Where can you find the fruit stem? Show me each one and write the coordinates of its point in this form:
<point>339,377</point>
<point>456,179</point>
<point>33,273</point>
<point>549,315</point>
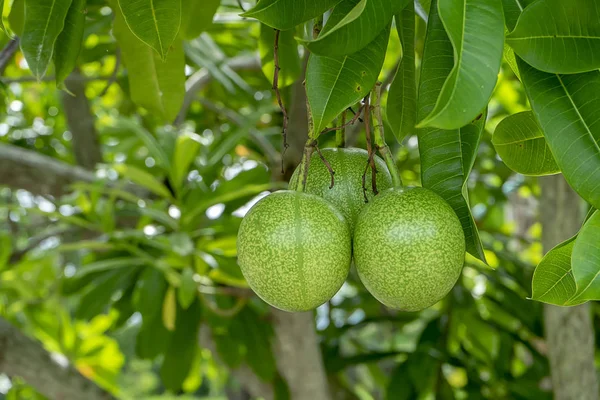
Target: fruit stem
<point>379,134</point>
<point>309,148</point>
<point>340,135</point>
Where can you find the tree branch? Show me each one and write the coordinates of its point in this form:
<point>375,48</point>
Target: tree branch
<point>7,53</point>
<point>37,173</point>
<point>26,358</point>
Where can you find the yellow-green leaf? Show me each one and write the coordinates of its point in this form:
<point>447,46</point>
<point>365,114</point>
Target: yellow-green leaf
<point>169,309</point>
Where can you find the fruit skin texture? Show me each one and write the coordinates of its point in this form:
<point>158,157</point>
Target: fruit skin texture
<point>409,248</point>
<point>347,192</point>
<point>294,250</point>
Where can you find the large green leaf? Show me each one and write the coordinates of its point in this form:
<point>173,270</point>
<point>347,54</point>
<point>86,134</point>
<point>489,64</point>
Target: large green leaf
<point>182,347</point>
<point>335,83</point>
<point>286,14</point>
<point>197,16</point>
<point>153,338</point>
<point>586,260</point>
<point>553,280</point>
<point>289,60</point>
<point>476,30</point>
<point>447,156</point>
<point>401,108</point>
<point>559,36</point>
<point>512,11</point>
<point>520,142</point>
<point>155,85</point>
<point>154,22</point>
<point>354,24</point>
<point>567,108</point>
<point>68,44</point>
<point>44,20</point>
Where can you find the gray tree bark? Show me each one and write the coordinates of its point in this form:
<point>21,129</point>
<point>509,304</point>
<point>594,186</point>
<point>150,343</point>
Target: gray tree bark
<point>569,330</point>
<point>81,123</point>
<point>26,358</point>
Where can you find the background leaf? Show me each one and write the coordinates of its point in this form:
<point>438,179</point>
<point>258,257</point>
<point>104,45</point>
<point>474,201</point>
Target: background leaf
<point>197,16</point>
<point>154,22</point>
<point>286,14</point>
<point>519,141</point>
<point>334,84</point>
<point>559,36</point>
<point>186,293</point>
<point>354,24</point>
<point>187,146</point>
<point>447,156</point>
<point>289,59</point>
<point>155,85</point>
<point>44,20</point>
<point>183,347</point>
<point>476,30</point>
<point>143,178</point>
<point>586,260</point>
<point>401,110</point>
<point>568,110</point>
<point>68,44</point>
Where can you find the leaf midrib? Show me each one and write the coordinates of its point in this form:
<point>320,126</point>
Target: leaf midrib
<point>41,48</point>
<point>553,37</point>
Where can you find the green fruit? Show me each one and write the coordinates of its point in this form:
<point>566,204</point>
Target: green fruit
<point>409,248</point>
<point>347,192</point>
<point>294,250</point>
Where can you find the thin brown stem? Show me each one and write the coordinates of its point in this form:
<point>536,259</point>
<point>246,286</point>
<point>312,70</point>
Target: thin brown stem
<point>378,132</point>
<point>278,95</point>
<point>340,135</point>
<point>345,124</point>
<point>327,164</point>
<point>371,151</point>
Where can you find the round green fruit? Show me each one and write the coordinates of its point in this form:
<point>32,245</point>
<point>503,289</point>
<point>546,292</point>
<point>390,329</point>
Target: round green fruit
<point>347,192</point>
<point>409,248</point>
<point>294,250</point>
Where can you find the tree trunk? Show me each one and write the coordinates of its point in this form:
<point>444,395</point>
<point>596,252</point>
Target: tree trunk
<point>26,358</point>
<point>81,123</point>
<point>569,330</point>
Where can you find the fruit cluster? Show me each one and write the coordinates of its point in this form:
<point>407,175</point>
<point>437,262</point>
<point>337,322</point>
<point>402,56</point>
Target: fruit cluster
<point>295,248</point>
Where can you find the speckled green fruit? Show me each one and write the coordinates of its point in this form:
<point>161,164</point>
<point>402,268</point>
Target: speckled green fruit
<point>294,250</point>
<point>347,192</point>
<point>409,248</point>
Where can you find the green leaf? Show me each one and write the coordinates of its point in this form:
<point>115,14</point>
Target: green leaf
<point>2,28</point>
<point>152,339</point>
<point>447,156</point>
<point>289,60</point>
<point>286,14</point>
<point>109,265</point>
<point>98,298</point>
<point>354,24</point>
<point>186,293</point>
<point>586,260</point>
<point>44,20</point>
<point>154,22</point>
<point>158,86</point>
<point>476,30</point>
<point>401,108</point>
<point>553,280</point>
<point>196,16</point>
<point>258,336</point>
<point>143,178</point>
<point>520,143</point>
<point>14,17</point>
<point>182,349</point>
<point>558,36</point>
<point>566,106</point>
<point>68,44</point>
<point>156,151</point>
<point>187,146</point>
<point>334,84</point>
<point>512,11</point>
<point>149,293</point>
